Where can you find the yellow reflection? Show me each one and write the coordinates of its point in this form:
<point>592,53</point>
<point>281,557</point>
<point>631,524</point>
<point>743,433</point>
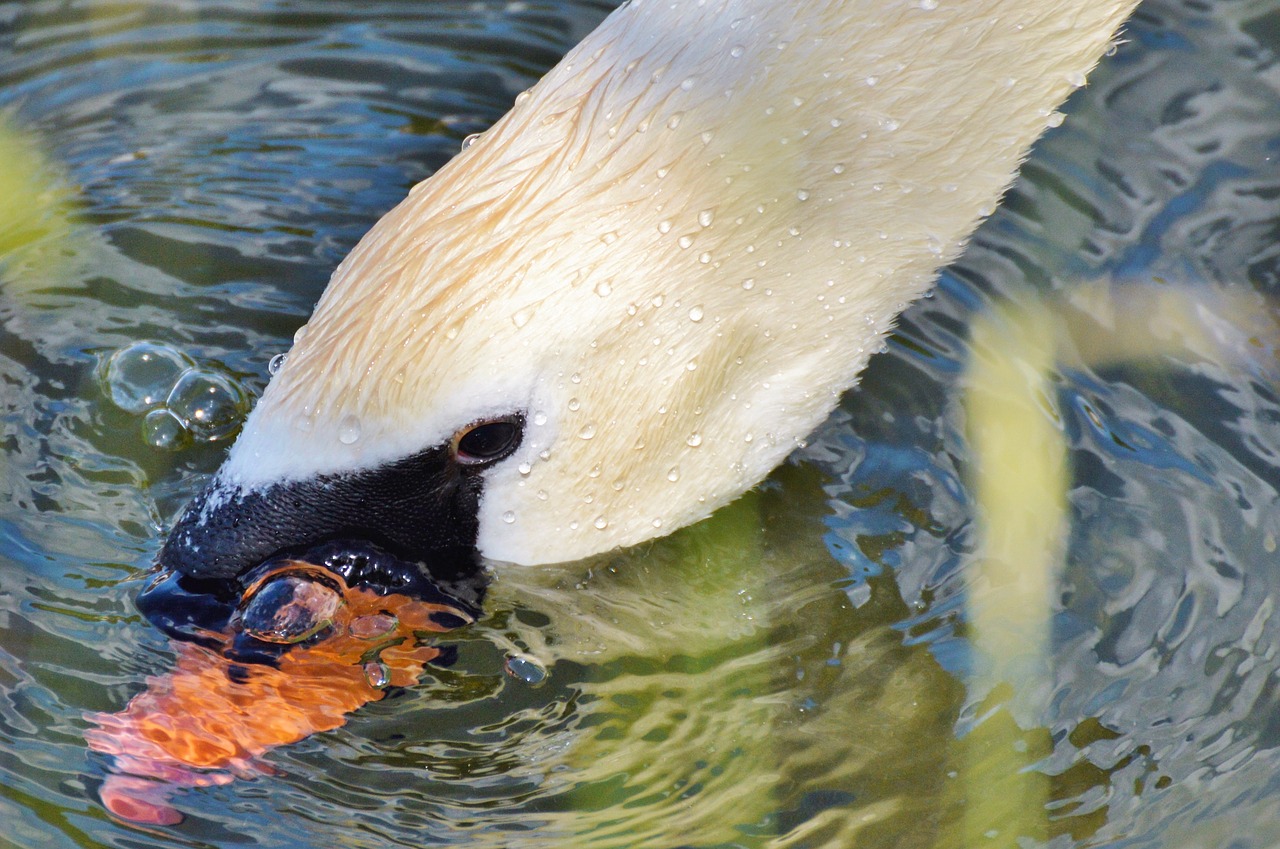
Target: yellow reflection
<point>1020,480</point>
<point>35,208</point>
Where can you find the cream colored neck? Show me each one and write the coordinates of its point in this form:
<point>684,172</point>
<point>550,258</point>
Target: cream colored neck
<point>674,253</point>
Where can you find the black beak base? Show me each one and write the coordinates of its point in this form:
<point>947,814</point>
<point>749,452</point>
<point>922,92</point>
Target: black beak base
<point>421,509</point>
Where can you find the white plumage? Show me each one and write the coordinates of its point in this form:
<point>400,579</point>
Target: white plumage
<point>672,255</point>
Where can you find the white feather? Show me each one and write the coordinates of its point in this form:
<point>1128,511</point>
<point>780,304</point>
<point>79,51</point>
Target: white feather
<point>674,253</point>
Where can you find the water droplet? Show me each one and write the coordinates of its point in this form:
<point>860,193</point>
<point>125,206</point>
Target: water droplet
<point>673,474</point>
<point>575,378</point>
<point>928,5</point>
<point>587,431</point>
<point>802,194</point>
<point>694,440</point>
<point>525,669</point>
<point>574,404</point>
<point>509,517</point>
<point>657,523</point>
<point>277,363</point>
<point>684,241</point>
<point>141,375</point>
<point>609,238</point>
<point>664,227</point>
<point>695,313</point>
<point>600,523</point>
<point>208,404</point>
<point>539,418</point>
<point>349,430</point>
<point>1055,119</point>
<point>692,365</point>
<point>688,83</point>
<point>1076,79</point>
<point>705,217</point>
<point>674,120</point>
<point>524,469</point>
<point>542,495</point>
<point>704,257</point>
<point>470,140</point>
<point>521,317</point>
<point>749,283</point>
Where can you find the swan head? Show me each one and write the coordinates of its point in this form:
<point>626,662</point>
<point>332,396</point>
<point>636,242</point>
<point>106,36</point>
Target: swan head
<point>631,298</point>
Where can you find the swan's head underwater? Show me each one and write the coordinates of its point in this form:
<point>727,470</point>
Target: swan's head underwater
<point>626,302</point>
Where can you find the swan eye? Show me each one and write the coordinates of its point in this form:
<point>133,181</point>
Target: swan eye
<point>487,442</point>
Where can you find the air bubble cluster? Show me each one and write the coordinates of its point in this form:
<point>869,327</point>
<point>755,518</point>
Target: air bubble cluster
<point>180,402</point>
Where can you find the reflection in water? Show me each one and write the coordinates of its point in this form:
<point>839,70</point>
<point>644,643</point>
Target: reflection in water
<point>229,699</point>
<point>794,673</point>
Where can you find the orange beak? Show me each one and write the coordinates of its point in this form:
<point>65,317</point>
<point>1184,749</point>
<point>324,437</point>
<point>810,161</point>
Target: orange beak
<point>208,720</point>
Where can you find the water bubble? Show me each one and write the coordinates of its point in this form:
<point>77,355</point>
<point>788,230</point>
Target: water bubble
<point>684,241</point>
<point>524,469</point>
<point>539,418</point>
<point>372,625</point>
<point>289,609</point>
<point>705,217</point>
<point>141,375</point>
<point>525,669</point>
<point>209,405</point>
<point>695,313</point>
<point>673,474</point>
<point>163,430</point>
<point>574,404</point>
<point>349,429</point>
<point>802,194</point>
<point>377,674</point>
<point>600,523</point>
<point>694,440</point>
<point>657,523</point>
<point>587,431</point>
<point>277,363</point>
<point>749,283</point>
<point>509,517</point>
<point>603,288</point>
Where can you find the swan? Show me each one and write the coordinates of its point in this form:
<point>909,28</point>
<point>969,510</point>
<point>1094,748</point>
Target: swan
<point>626,302</point>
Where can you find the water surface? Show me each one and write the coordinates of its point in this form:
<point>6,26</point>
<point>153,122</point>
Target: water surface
<point>796,672</point>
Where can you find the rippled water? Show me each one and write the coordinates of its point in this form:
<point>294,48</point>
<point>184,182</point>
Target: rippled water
<point>794,672</point>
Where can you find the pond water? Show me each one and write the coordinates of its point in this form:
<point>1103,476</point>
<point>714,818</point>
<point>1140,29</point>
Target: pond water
<point>799,671</point>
